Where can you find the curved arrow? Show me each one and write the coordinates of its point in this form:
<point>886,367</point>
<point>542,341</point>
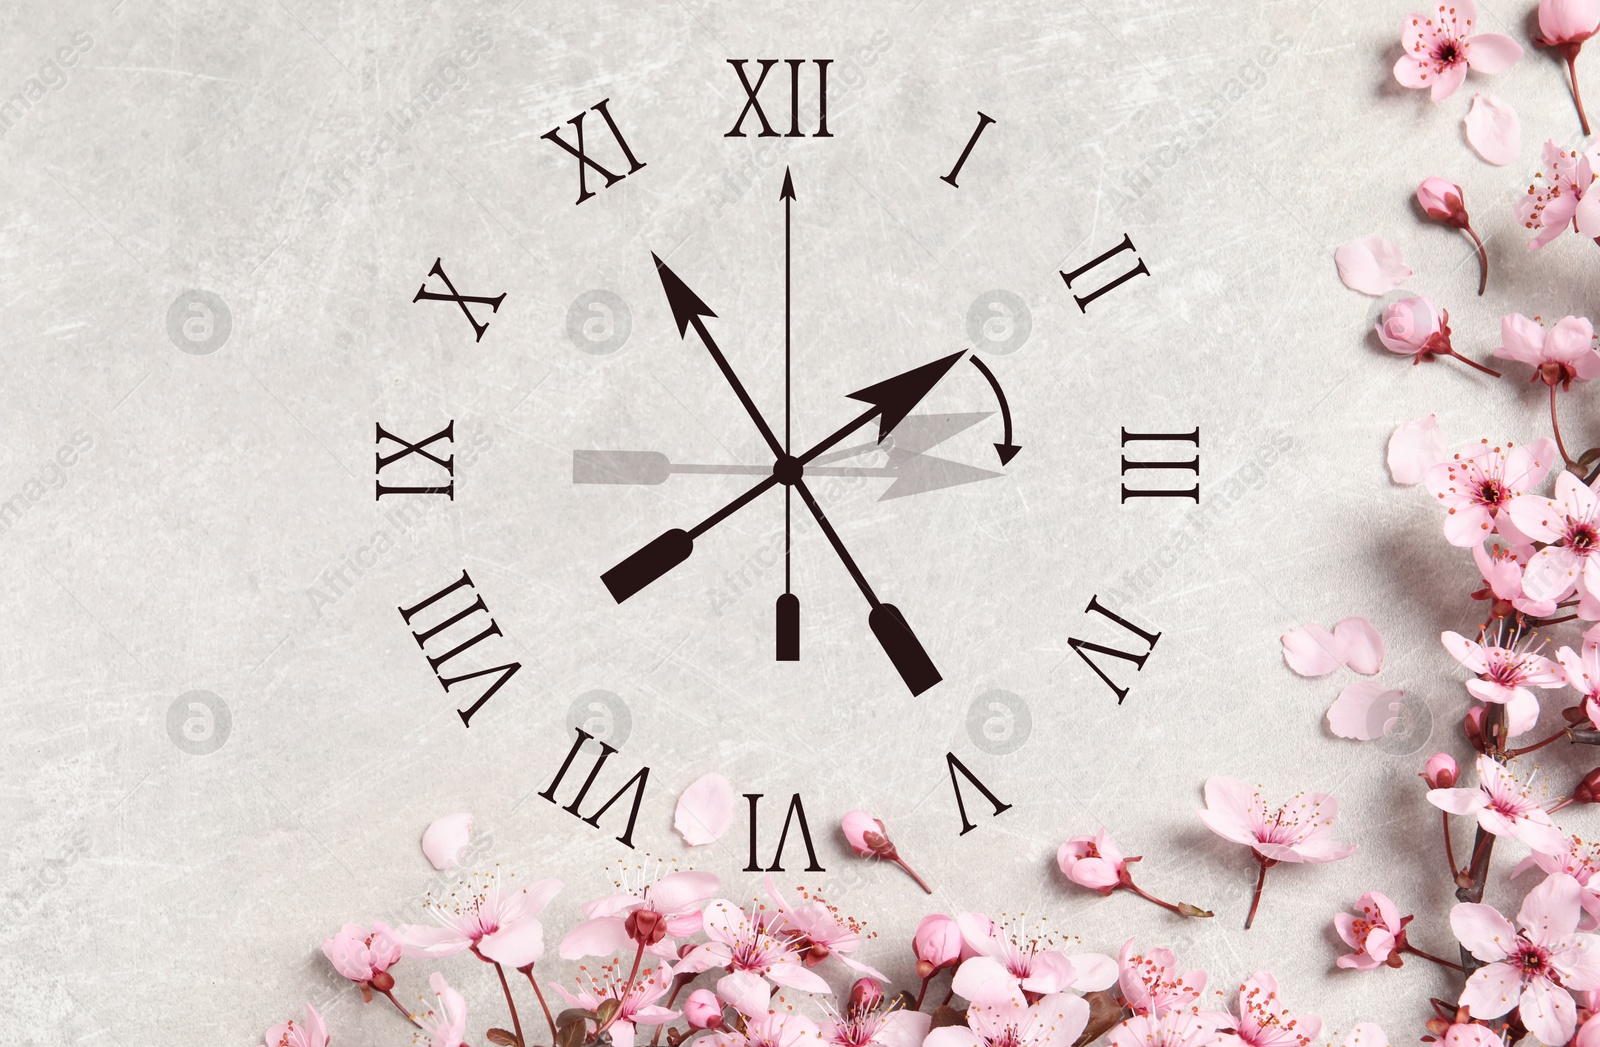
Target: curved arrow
<point>1007,450</point>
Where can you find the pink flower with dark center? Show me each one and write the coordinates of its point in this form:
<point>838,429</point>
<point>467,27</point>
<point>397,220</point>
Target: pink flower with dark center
<point>445,1025</point>
<point>499,926</point>
<point>877,1027</point>
<point>817,930</point>
<point>670,906</point>
<point>1007,1020</point>
<point>637,1003</point>
<point>1010,960</point>
<point>1375,931</point>
<point>1094,862</point>
<point>292,1034</point>
<point>1439,49</point>
<point>1503,807</point>
<point>358,954</point>
<point>1570,522</point>
<point>1297,832</point>
<point>1476,488</point>
<point>1576,859</point>
<point>770,1030</point>
<point>1554,207</point>
<point>1532,969</point>
<point>1508,665</point>
<point>1264,1021</point>
<point>1151,984</point>
<point>739,944</point>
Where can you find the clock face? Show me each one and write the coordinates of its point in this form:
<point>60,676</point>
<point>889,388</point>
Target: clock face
<point>915,407</point>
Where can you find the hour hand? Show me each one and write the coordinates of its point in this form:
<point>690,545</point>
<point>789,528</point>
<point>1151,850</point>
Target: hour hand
<point>671,548</point>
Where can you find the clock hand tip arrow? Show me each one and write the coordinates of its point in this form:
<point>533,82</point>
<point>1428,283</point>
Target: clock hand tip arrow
<point>896,397</point>
<point>1006,452</point>
<point>787,193</point>
<point>686,305</point>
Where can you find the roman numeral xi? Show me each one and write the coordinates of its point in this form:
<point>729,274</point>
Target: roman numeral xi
<point>584,162</point>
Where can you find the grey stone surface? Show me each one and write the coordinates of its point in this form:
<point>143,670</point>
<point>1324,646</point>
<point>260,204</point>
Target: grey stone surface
<point>213,223</point>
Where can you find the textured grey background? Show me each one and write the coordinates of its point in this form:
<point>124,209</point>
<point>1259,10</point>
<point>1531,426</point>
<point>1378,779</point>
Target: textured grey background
<point>157,892</point>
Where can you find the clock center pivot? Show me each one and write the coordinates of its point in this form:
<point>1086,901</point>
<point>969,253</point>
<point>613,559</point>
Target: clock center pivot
<point>788,470</point>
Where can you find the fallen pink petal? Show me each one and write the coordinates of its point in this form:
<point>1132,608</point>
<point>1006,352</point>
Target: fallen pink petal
<point>1414,448</point>
<point>1371,265</point>
<point>705,810</point>
<point>1358,645</point>
<point>445,839</point>
<point>1494,130</point>
<point>1364,710</point>
<point>1311,650</point>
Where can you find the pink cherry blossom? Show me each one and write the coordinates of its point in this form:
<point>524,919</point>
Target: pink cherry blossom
<point>1583,675</point>
<point>1476,487</point>
<point>877,1026</point>
<point>358,954</point>
<point>1581,861</point>
<point>1094,862</point>
<point>1007,1020</point>
<point>1176,1028</point>
<point>1560,356</point>
<point>1151,984</point>
<point>1565,25</point>
<point>1553,207</point>
<point>674,902</point>
<point>1417,328</point>
<point>1297,832</point>
<point>1570,522</point>
<point>770,1030</point>
<point>1264,1020</point>
<point>637,1001</point>
<point>499,926</point>
<point>739,944</point>
<point>1503,568</point>
<point>1503,807</point>
<point>1373,931</point>
<point>937,944</point>
<point>292,1034</point>
<point>1009,959</point>
<point>1507,668</point>
<point>702,1010</point>
<point>817,931</point>
<point>1532,969</point>
<point>1440,49</point>
<point>444,1025</point>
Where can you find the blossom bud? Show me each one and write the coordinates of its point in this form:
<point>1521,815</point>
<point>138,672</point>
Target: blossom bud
<point>1472,724</point>
<point>645,926</point>
<point>382,981</point>
<point>1440,772</point>
<point>703,1010</point>
<point>1443,201</point>
<point>1094,862</point>
<point>1414,327</point>
<point>867,835</point>
<point>937,944</point>
<point>1588,790</point>
<point>865,994</point>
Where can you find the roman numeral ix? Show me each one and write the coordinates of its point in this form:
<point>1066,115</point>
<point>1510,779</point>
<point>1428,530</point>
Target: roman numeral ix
<point>407,448</point>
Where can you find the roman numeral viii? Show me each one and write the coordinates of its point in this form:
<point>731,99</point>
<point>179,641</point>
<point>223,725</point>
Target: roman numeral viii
<point>435,662</point>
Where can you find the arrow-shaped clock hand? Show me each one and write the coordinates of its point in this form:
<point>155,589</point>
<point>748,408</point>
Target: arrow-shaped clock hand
<point>885,620</point>
<point>891,399</point>
<point>788,606</point>
<point>687,311</point>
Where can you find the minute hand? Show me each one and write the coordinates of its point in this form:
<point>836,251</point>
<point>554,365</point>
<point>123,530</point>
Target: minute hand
<point>687,310</point>
<point>891,400</point>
